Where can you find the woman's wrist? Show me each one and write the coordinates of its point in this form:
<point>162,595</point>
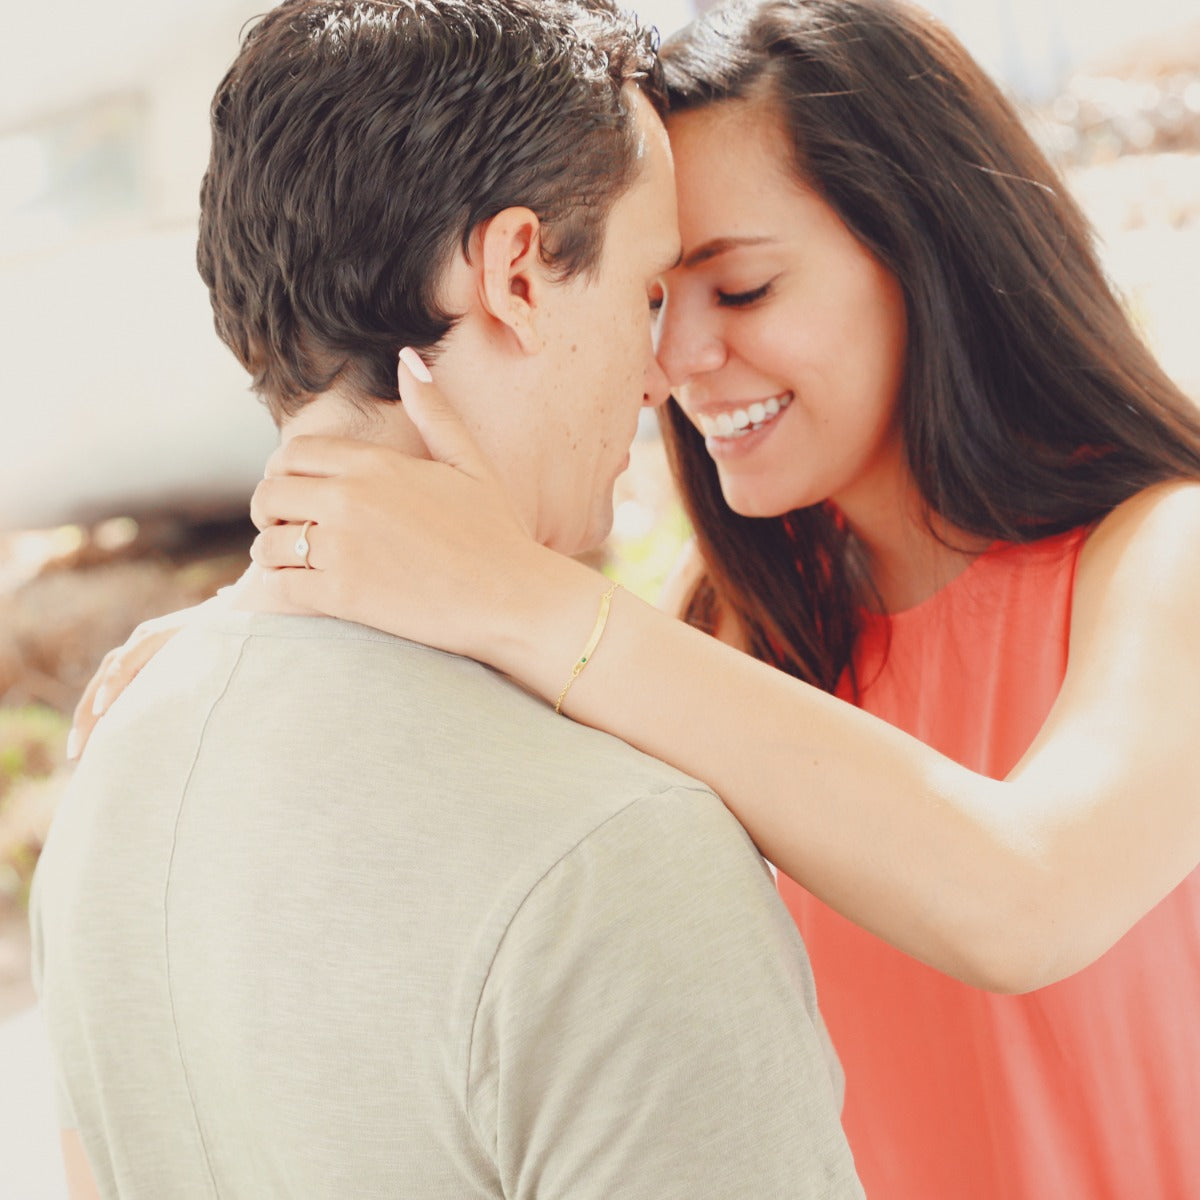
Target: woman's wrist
<point>545,609</point>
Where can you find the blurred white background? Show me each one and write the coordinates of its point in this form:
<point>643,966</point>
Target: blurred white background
<point>115,395</point>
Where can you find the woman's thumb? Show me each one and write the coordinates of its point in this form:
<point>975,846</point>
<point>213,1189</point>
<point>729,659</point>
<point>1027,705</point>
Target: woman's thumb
<point>440,427</point>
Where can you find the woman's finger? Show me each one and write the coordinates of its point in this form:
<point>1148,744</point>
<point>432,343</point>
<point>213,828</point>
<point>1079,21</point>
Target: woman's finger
<point>127,665</point>
<point>295,498</point>
<point>309,591</point>
<point>293,545</point>
<point>117,670</point>
<point>440,427</point>
<point>84,718</point>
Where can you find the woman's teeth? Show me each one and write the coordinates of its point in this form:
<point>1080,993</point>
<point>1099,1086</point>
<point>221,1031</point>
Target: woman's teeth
<point>740,421</point>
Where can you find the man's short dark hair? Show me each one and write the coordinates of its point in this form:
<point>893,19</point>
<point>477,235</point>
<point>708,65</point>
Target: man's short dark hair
<point>357,145</point>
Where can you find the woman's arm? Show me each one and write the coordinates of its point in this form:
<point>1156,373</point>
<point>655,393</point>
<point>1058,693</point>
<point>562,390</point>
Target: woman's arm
<point>1008,884</point>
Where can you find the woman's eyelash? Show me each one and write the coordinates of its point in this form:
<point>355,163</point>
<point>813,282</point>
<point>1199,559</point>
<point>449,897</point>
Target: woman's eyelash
<point>741,299</point>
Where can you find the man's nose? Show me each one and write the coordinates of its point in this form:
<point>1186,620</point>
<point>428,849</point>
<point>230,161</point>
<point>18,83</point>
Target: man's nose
<point>657,388</point>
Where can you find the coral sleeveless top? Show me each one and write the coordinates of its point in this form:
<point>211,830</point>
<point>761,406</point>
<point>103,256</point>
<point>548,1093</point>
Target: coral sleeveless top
<point>1085,1090</point>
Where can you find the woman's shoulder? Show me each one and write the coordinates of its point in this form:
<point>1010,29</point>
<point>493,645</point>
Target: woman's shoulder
<point>1155,508</point>
<point>1163,517</point>
<point>1146,552</point>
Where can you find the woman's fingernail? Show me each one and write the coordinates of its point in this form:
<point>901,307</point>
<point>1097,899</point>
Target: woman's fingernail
<point>416,365</point>
<point>100,703</point>
<point>72,746</point>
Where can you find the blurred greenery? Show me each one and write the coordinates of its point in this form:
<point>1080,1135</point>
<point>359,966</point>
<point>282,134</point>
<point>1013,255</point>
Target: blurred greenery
<point>641,562</point>
<point>32,748</point>
<point>33,741</point>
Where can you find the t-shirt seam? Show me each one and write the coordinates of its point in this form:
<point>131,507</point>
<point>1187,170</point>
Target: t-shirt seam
<point>693,789</point>
<point>166,912</point>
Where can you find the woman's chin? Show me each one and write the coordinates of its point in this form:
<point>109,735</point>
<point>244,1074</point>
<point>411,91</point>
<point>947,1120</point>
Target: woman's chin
<point>753,502</point>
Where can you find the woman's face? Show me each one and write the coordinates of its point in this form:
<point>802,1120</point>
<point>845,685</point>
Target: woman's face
<point>782,337</point>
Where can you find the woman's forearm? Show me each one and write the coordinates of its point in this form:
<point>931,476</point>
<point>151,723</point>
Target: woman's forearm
<point>888,832</point>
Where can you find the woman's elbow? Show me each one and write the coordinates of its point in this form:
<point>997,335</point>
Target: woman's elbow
<point>1030,949</point>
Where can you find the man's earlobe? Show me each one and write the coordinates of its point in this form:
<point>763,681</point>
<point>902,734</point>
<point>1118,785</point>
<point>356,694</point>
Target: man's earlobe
<point>512,274</point>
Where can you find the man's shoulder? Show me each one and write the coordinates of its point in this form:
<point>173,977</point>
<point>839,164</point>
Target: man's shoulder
<point>468,711</point>
<point>676,827</point>
<point>417,730</point>
<point>322,729</point>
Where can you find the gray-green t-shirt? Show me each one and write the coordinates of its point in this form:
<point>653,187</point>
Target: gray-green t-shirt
<point>328,914</point>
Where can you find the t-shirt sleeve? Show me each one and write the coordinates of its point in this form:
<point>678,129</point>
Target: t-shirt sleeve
<point>64,1109</point>
<point>649,1028</point>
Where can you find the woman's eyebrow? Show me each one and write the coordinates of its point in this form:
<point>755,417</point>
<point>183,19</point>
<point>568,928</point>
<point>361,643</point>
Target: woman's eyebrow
<point>718,246</point>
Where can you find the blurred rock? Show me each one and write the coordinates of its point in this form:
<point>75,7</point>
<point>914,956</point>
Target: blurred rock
<point>56,626</point>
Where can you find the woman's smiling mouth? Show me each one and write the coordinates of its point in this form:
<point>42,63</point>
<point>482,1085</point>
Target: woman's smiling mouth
<point>736,423</point>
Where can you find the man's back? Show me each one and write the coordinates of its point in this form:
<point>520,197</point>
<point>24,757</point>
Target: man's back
<point>326,913</point>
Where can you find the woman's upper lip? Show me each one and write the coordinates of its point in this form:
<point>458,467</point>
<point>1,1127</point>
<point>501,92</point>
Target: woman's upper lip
<point>715,407</point>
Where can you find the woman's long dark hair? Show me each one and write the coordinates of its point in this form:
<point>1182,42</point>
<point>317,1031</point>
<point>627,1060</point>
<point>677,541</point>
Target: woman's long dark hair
<point>1029,405</point>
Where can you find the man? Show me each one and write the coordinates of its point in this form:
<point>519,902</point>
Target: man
<point>327,913</point>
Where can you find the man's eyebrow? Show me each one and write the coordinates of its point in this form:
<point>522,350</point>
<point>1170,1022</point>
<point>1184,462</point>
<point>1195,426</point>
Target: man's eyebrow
<point>718,246</point>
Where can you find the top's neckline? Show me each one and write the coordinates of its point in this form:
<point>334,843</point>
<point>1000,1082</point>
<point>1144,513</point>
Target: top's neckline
<point>984,561</point>
<point>934,599</point>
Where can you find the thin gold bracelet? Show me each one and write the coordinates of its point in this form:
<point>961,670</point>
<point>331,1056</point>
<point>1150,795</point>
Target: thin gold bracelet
<point>592,642</point>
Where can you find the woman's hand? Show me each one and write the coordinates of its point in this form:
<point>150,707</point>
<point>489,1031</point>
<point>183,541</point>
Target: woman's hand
<point>428,550</point>
<point>117,670</point>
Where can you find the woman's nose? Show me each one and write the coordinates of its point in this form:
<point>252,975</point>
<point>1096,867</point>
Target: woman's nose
<point>687,346</point>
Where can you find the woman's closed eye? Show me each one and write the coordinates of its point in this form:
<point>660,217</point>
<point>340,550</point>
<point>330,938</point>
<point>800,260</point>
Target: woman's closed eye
<point>742,299</point>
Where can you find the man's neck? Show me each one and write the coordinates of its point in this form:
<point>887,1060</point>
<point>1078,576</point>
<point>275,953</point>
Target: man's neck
<point>334,414</point>
<point>331,414</point>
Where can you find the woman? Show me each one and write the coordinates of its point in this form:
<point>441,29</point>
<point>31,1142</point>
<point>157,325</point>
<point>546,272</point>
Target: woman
<point>946,501</point>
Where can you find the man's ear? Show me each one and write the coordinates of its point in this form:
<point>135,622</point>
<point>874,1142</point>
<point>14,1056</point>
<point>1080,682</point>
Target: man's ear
<point>513,276</point>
